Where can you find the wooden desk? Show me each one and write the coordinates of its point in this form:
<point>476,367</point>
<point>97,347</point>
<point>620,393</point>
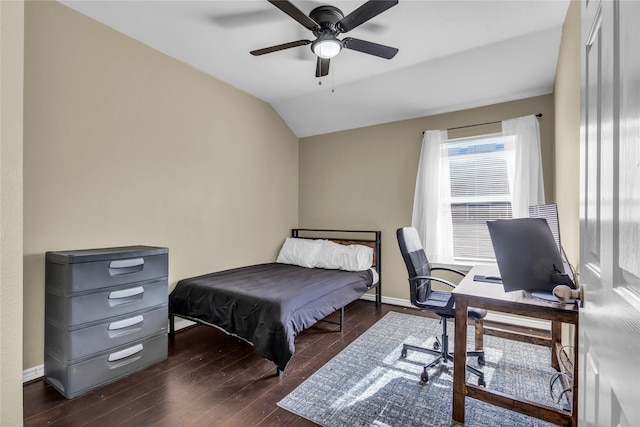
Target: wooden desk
<point>492,297</point>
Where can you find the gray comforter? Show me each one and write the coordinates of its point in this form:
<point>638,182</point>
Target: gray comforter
<point>267,304</point>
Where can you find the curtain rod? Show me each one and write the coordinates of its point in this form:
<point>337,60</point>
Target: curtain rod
<point>481,124</point>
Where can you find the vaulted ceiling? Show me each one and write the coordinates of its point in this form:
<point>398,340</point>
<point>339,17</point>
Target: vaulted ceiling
<point>453,54</point>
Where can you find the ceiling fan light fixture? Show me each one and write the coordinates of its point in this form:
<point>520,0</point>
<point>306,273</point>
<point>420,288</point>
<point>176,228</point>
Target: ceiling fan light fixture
<point>326,47</point>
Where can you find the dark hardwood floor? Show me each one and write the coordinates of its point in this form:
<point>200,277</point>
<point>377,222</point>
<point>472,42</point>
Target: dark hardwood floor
<point>209,379</point>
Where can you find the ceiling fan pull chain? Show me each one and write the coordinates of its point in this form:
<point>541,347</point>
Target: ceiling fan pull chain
<point>333,76</point>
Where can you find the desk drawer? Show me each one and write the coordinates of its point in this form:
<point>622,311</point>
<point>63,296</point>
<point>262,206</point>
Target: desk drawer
<point>75,379</point>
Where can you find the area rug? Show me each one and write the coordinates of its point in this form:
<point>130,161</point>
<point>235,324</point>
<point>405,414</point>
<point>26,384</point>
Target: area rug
<point>369,384</point>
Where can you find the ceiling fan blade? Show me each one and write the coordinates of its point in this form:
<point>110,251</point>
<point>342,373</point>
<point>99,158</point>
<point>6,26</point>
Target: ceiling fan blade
<point>371,48</point>
<point>279,47</point>
<point>322,67</point>
<point>246,19</point>
<point>295,13</point>
<point>364,13</point>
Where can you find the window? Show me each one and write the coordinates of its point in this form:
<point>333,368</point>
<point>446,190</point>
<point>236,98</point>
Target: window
<point>463,183</point>
<point>479,182</point>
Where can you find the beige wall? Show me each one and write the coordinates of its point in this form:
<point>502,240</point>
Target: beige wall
<point>11,213</point>
<point>124,145</point>
<point>365,178</point>
<point>567,148</point>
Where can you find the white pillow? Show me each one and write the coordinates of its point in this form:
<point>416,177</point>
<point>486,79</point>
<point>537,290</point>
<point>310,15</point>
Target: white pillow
<point>325,254</point>
<point>350,258</point>
<point>302,252</point>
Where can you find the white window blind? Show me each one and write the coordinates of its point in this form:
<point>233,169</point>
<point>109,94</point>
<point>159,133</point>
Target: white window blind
<point>479,192</point>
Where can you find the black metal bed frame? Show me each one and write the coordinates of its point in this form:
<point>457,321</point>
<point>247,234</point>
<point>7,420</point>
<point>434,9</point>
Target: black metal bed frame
<point>340,236</point>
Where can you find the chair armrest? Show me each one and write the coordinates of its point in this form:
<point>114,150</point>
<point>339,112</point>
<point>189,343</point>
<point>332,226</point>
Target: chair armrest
<point>449,269</point>
<point>425,305</point>
<point>437,279</point>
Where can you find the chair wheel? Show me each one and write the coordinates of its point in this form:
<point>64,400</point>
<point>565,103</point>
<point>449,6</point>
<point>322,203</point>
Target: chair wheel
<point>481,382</point>
<point>424,377</point>
<point>436,345</point>
<point>403,354</point>
<point>481,360</point>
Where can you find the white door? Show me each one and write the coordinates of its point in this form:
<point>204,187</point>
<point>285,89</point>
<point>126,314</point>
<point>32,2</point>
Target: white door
<point>609,353</point>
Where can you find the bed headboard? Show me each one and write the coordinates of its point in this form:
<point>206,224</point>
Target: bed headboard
<point>368,238</point>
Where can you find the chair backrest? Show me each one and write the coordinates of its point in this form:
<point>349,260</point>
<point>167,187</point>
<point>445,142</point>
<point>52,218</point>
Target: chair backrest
<point>416,261</point>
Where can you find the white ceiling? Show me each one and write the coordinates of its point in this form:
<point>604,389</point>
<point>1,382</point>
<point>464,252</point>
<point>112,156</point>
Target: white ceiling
<point>453,54</point>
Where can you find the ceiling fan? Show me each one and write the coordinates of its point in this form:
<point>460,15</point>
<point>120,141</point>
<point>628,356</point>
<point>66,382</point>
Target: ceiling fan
<point>326,23</point>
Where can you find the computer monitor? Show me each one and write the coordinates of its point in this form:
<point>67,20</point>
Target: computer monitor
<point>526,253</point>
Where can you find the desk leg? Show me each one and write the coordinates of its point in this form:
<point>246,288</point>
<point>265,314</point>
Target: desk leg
<point>556,342</point>
<point>460,359</point>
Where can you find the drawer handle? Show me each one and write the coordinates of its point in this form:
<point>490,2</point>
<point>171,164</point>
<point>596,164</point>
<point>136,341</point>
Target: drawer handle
<point>127,352</point>
<point>126,293</point>
<point>121,324</point>
<point>126,266</point>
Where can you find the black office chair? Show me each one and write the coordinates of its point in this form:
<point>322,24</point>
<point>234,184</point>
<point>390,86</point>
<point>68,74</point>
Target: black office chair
<point>439,302</point>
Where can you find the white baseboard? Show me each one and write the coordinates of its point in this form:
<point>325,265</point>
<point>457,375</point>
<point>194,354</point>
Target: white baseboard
<point>183,323</point>
<point>34,373</point>
<point>526,322</point>
<point>388,300</point>
<point>37,372</point>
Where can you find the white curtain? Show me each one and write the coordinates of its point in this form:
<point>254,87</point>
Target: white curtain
<point>432,198</point>
<point>524,165</point>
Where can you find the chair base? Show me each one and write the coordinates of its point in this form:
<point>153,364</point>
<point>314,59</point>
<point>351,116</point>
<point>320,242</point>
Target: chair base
<point>444,358</point>
<point>441,351</point>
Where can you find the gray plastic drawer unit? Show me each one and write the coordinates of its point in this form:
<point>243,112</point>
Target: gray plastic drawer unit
<point>105,315</point>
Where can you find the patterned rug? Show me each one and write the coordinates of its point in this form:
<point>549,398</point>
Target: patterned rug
<point>368,384</point>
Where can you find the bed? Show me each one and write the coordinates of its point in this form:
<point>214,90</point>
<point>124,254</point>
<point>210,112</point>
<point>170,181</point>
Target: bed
<point>317,273</point>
